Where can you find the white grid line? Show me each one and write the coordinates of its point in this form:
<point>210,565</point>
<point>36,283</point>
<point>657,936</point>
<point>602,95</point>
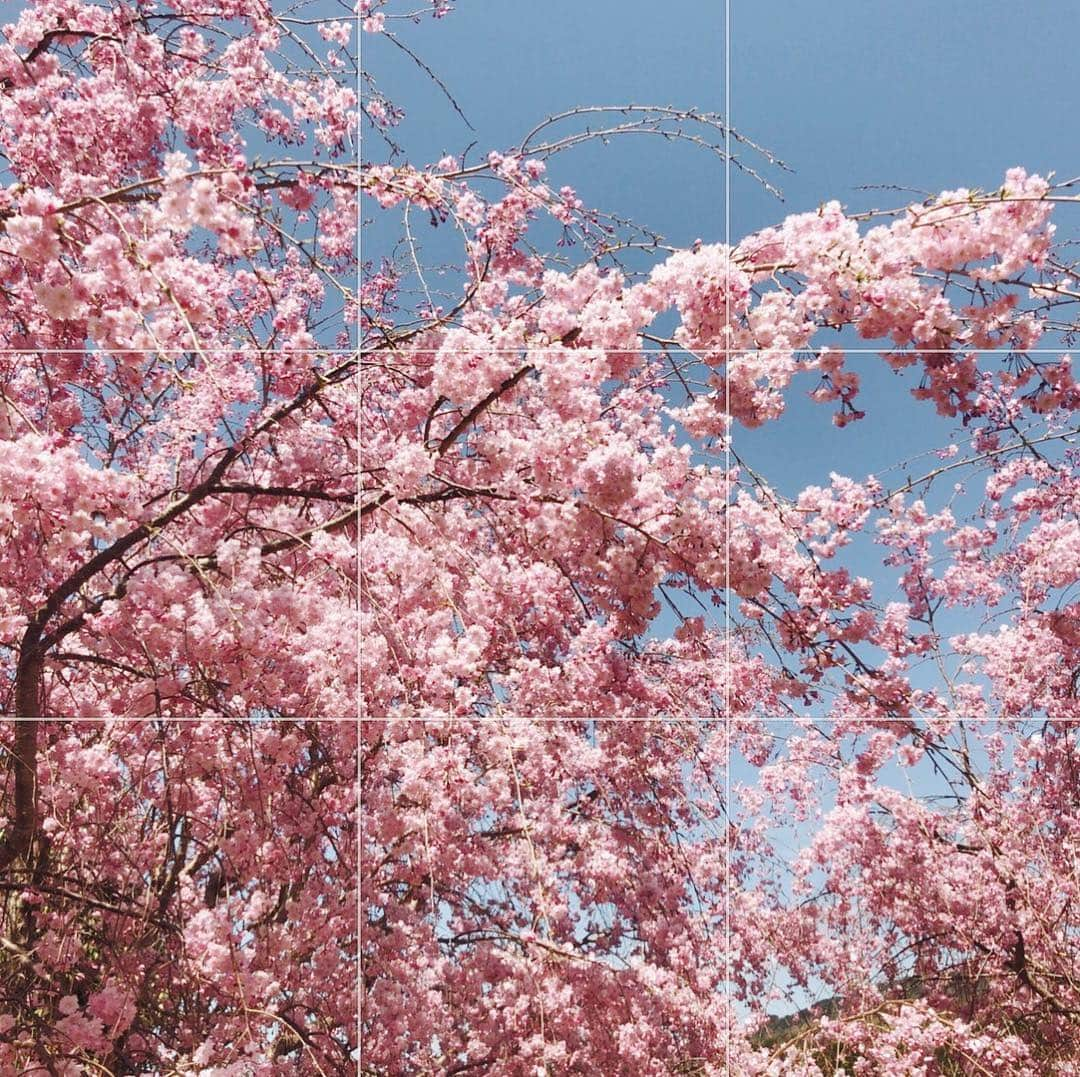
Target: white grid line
<point>729,1024</point>
<point>238,350</point>
<point>553,346</point>
<point>360,572</point>
<point>359,894</point>
<point>714,719</point>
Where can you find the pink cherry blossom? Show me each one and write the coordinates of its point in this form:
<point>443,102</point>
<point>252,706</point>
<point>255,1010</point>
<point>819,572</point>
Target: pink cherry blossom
<point>669,768</point>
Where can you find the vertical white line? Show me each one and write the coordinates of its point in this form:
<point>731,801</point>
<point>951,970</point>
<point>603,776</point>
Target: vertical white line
<point>360,355</point>
<point>726,725</point>
<point>359,900</point>
<point>726,347</point>
<point>359,567</point>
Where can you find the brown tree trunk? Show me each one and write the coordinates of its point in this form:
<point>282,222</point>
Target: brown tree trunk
<point>19,840</point>
<point>28,682</point>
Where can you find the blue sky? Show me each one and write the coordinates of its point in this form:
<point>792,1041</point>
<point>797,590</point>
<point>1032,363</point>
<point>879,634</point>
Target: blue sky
<point>924,94</point>
<point>511,65</point>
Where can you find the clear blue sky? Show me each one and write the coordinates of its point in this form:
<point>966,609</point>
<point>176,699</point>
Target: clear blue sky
<point>924,94</point>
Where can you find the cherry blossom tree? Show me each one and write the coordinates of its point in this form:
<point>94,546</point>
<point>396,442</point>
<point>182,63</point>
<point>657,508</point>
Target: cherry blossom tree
<point>177,394</point>
<point>656,778</point>
<point>178,462</point>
